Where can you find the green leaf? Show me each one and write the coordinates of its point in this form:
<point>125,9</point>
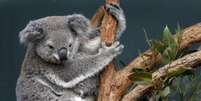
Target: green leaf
<point>178,35</point>
<point>165,92</point>
<point>157,46</point>
<point>158,98</point>
<point>138,69</point>
<point>178,30</point>
<point>147,38</point>
<point>187,88</point>
<point>181,71</point>
<point>166,58</point>
<point>142,77</point>
<point>168,38</point>
<point>168,47</point>
<point>170,52</point>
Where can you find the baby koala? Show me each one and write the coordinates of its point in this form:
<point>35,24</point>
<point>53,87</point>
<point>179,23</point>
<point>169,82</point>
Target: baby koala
<point>58,65</point>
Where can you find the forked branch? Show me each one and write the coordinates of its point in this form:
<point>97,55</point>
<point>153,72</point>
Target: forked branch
<point>114,84</point>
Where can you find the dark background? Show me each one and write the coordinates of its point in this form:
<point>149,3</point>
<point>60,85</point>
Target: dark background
<point>151,15</point>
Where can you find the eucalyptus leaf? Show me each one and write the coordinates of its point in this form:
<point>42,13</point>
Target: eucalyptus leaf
<point>147,38</point>
<point>187,88</point>
<point>166,56</point>
<point>157,46</point>
<point>168,38</point>
<point>169,45</point>
<point>141,77</point>
<point>180,72</point>
<point>178,34</point>
<point>138,69</point>
<point>165,92</point>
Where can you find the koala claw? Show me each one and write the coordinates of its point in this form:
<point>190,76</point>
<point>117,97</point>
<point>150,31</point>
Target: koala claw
<point>119,49</point>
<point>115,44</point>
<point>114,9</point>
<point>115,6</point>
<point>113,50</point>
<point>117,12</point>
<point>103,44</point>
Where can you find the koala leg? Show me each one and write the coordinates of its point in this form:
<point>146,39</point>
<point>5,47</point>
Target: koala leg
<point>32,90</point>
<point>88,87</point>
<point>117,12</point>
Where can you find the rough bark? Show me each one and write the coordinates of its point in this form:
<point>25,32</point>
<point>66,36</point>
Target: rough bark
<point>96,20</point>
<point>136,93</point>
<point>108,31</point>
<point>187,62</point>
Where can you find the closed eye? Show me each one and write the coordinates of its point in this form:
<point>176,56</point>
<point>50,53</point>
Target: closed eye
<point>70,45</point>
<point>50,46</point>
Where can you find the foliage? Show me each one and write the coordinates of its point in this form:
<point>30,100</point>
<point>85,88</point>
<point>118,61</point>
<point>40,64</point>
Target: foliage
<point>140,76</point>
<point>187,88</point>
<point>168,48</point>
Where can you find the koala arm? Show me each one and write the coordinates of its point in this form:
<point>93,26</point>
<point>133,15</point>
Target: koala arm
<point>82,27</point>
<point>87,66</point>
<point>117,12</point>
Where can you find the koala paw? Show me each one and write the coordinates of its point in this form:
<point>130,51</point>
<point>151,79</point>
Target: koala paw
<point>113,50</point>
<point>115,10</point>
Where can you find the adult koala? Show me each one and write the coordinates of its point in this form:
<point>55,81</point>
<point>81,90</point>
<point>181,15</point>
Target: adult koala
<point>60,62</point>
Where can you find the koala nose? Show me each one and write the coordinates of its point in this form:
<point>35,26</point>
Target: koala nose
<point>62,52</point>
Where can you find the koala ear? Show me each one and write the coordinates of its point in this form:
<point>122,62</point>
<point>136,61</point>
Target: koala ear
<point>78,23</point>
<point>32,32</point>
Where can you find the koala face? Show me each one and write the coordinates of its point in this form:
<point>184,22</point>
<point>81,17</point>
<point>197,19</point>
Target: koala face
<point>56,46</point>
<point>55,38</point>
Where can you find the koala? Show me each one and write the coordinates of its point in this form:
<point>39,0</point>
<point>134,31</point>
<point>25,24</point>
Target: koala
<point>91,44</point>
<point>59,64</point>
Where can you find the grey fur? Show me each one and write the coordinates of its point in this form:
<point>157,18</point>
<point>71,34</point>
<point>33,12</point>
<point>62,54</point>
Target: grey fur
<point>91,46</point>
<point>45,77</point>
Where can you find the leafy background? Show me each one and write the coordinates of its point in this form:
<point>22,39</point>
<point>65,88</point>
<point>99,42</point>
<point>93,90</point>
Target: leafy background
<point>151,15</point>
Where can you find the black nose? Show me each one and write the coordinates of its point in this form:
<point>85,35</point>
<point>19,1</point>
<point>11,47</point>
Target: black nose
<point>62,52</point>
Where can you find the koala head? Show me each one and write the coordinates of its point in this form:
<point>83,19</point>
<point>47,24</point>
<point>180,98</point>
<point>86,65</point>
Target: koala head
<point>54,38</point>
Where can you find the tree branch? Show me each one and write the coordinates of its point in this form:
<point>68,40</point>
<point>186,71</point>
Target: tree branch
<point>108,34</point>
<point>114,83</point>
<point>186,62</point>
<point>96,20</point>
<point>137,92</point>
<point>189,36</point>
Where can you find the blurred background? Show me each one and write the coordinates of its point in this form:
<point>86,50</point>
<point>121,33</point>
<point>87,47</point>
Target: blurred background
<point>151,15</point>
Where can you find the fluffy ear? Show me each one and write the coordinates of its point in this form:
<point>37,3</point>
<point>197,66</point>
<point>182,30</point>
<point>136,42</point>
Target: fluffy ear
<point>78,23</point>
<point>32,32</point>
